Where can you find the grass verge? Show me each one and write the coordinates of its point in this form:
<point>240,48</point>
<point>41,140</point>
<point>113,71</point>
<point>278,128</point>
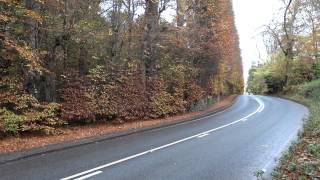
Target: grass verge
<point>302,160</point>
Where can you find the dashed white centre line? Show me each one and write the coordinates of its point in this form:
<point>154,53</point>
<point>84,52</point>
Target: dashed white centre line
<point>96,170</point>
<point>203,135</point>
<point>244,120</point>
<point>89,175</point>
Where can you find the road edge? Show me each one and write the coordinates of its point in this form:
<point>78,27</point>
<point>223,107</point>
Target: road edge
<point>15,156</point>
<point>268,173</point>
<point>296,139</point>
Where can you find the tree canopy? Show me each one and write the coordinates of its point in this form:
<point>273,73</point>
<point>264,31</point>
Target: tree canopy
<point>293,46</point>
<point>81,61</point>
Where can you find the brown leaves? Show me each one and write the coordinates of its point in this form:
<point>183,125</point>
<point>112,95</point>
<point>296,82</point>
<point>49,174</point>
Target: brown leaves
<point>12,49</point>
<point>179,62</point>
<point>75,100</point>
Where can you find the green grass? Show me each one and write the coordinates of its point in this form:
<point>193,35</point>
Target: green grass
<point>302,160</point>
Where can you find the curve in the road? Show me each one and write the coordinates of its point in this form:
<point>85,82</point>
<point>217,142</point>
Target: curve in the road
<point>97,170</point>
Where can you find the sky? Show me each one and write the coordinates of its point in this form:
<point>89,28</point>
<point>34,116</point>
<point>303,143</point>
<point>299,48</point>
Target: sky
<point>250,17</point>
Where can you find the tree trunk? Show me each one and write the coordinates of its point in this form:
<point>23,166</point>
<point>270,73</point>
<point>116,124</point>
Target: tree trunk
<point>181,11</point>
<point>131,12</point>
<point>66,35</point>
<point>50,78</point>
<point>115,19</point>
<point>83,65</point>
<point>31,29</point>
<point>32,26</point>
<point>288,51</point>
<point>150,37</point>
<point>200,8</point>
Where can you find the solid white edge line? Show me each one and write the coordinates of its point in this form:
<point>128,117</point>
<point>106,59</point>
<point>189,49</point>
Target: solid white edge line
<point>260,109</point>
<point>89,175</point>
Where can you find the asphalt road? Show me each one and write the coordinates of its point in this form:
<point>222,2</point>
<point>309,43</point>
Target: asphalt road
<point>233,144</point>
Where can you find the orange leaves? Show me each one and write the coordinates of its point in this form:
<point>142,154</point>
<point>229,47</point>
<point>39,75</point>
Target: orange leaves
<point>9,2</point>
<point>100,97</point>
<point>76,35</point>
<point>75,106</point>
<point>28,55</point>
<point>22,112</point>
<point>215,46</point>
<point>4,18</point>
<point>163,103</point>
<point>33,15</point>
<point>24,52</point>
<point>18,10</point>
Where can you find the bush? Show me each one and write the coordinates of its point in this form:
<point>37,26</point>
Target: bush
<point>75,100</point>
<point>46,120</point>
<point>314,149</point>
<point>113,96</point>
<point>301,71</point>
<point>317,69</point>
<point>164,103</point>
<point>193,94</point>
<point>12,122</point>
<point>274,84</point>
<point>311,90</point>
<point>132,101</point>
<point>23,113</point>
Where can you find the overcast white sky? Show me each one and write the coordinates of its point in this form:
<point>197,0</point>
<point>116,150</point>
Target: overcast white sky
<point>250,16</point>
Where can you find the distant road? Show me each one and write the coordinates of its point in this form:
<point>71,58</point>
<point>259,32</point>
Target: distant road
<point>233,144</point>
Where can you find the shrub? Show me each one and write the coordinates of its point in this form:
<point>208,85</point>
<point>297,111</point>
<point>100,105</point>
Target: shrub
<point>23,113</point>
<point>311,89</point>
<point>317,69</point>
<point>160,104</point>
<point>163,103</point>
<point>46,120</point>
<point>74,98</point>
<point>12,122</point>
<point>274,84</point>
<point>114,96</point>
<point>193,94</point>
<point>132,101</point>
<point>313,149</point>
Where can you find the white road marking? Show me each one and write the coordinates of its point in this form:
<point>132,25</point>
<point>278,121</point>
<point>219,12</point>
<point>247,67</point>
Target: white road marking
<point>203,135</point>
<point>244,120</point>
<point>260,109</point>
<point>89,175</point>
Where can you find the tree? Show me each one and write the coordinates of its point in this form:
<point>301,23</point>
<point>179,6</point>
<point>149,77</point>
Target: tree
<point>181,12</point>
<point>284,33</point>
<point>81,61</point>
<point>150,37</point>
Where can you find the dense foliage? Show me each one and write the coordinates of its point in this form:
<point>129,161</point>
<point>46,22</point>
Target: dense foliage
<point>293,46</point>
<point>81,61</point>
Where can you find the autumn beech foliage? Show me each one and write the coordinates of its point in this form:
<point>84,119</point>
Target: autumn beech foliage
<point>83,61</point>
